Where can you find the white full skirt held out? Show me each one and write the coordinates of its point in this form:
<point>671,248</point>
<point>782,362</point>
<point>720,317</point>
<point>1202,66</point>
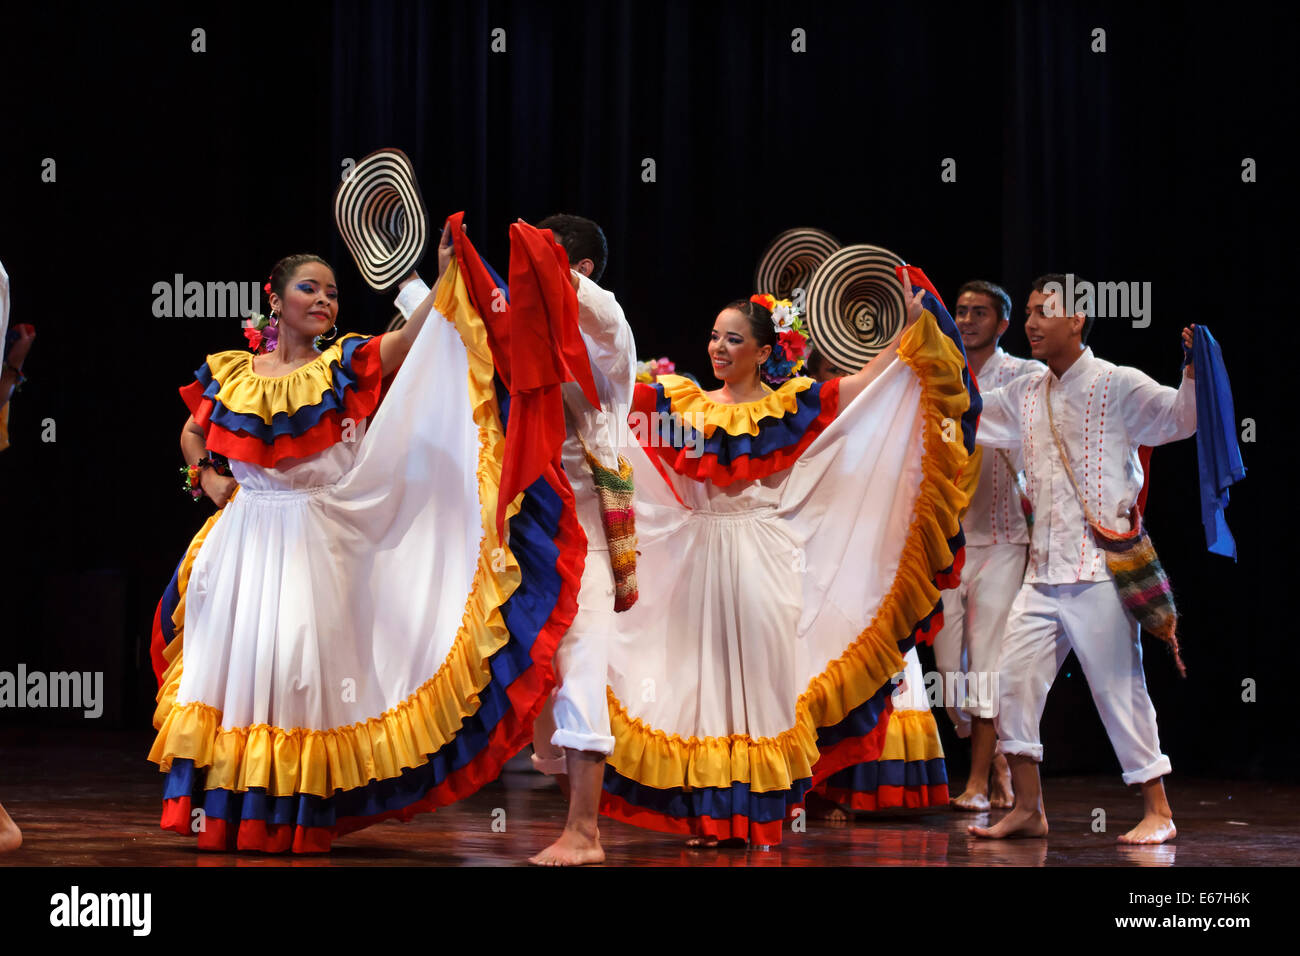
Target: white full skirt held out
<point>333,587</point>
<point>750,591</point>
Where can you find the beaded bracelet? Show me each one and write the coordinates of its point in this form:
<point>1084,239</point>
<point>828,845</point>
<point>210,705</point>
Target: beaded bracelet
<point>192,472</point>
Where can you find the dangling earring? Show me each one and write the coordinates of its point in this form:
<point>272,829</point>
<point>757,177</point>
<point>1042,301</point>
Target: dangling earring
<point>321,339</point>
<point>271,335</point>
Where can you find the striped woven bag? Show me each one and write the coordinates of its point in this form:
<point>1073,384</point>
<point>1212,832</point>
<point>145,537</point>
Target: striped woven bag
<point>1143,585</point>
<point>614,492</point>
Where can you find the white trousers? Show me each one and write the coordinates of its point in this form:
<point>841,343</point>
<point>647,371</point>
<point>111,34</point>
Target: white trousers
<point>577,715</point>
<point>1046,622</point>
<point>968,646</point>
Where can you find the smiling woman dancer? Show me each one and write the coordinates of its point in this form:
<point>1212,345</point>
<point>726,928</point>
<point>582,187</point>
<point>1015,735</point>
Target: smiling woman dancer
<point>358,643</point>
<point>781,565</point>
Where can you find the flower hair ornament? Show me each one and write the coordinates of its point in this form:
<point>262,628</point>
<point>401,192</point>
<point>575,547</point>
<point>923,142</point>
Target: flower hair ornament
<point>648,372</point>
<point>791,349</point>
<point>263,334</point>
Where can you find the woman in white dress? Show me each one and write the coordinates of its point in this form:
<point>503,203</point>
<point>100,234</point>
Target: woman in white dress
<point>785,554</point>
<point>358,644</point>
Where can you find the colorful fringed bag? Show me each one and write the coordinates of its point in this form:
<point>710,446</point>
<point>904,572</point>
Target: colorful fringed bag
<point>614,492</point>
<point>1143,585</point>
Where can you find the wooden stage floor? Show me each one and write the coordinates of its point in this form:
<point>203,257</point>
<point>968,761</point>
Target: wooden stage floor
<point>95,801</point>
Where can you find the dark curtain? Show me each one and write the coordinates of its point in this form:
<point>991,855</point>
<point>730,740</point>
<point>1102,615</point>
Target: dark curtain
<point>1122,166</point>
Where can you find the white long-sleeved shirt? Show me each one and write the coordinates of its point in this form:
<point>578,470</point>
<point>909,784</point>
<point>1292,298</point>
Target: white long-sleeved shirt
<point>612,352</point>
<point>1103,413</point>
<point>994,515</point>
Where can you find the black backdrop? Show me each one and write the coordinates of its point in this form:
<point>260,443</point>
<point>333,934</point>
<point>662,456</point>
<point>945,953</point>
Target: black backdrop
<point>1122,165</point>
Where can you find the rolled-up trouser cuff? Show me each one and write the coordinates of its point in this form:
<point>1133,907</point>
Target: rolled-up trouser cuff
<point>1018,748</point>
<point>591,743</point>
<point>1151,772</point>
<point>555,759</point>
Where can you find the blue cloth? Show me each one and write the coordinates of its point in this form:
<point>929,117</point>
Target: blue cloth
<point>1218,456</point>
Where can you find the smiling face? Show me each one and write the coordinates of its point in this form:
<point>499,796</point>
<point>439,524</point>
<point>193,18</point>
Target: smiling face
<point>978,320</point>
<point>1052,334</point>
<point>310,303</point>
<point>733,351</point>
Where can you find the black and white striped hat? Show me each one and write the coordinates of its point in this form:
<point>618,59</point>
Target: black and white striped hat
<point>855,305</point>
<point>381,217</point>
<point>790,259</point>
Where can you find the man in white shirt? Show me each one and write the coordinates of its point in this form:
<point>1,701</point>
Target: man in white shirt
<point>966,648</point>
<point>572,736</point>
<point>1069,600</point>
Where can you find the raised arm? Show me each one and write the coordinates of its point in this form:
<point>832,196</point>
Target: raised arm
<point>394,346</point>
<point>610,345</point>
<point>852,385</point>
<point>611,351</point>
<point>999,422</point>
<point>1155,414</point>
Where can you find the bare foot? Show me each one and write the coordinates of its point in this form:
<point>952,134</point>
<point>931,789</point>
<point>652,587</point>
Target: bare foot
<point>971,800</point>
<point>1153,828</point>
<point>819,808</point>
<point>572,849</point>
<point>11,838</point>
<point>1001,794</point>
<point>1017,823</point>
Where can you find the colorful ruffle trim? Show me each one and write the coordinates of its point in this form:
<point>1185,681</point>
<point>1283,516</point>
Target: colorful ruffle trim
<point>733,786</point>
<point>747,418</point>
<point>910,771</point>
<point>743,442</point>
<point>265,420</point>
<point>278,789</point>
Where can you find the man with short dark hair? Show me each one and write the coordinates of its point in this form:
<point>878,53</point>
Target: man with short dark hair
<point>583,240</point>
<point>967,647</point>
<point>1079,424</point>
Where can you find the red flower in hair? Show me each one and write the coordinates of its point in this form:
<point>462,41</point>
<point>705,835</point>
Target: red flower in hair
<point>765,299</point>
<point>793,343</point>
<point>254,337</point>
<point>267,288</point>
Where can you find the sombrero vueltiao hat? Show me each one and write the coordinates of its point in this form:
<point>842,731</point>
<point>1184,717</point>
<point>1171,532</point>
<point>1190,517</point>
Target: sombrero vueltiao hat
<point>790,260</point>
<point>381,218</point>
<point>855,305</point>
